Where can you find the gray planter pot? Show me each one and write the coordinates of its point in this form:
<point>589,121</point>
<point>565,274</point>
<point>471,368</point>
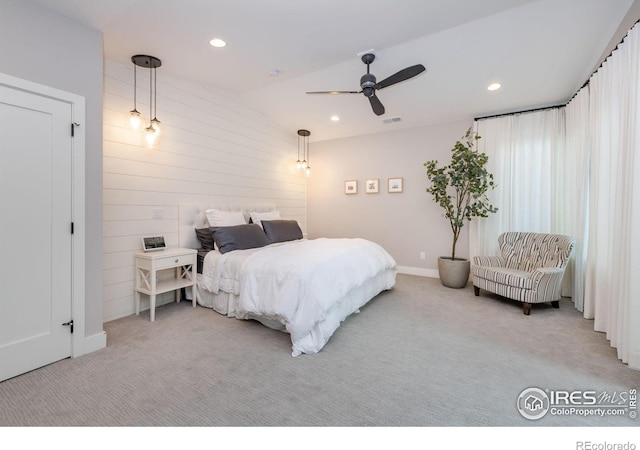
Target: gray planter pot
<point>454,273</point>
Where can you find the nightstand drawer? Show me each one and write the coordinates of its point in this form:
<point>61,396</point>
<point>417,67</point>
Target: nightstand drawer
<point>173,261</point>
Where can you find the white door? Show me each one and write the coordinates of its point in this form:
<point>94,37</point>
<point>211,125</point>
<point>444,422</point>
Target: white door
<point>35,231</point>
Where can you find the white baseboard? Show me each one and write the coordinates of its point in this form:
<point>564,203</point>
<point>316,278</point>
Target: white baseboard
<point>95,342</point>
<point>431,273</point>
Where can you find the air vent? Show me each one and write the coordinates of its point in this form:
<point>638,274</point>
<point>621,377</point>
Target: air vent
<point>392,120</point>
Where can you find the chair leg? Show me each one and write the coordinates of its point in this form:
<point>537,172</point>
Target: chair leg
<point>555,304</point>
<point>526,308</point>
<point>476,290</point>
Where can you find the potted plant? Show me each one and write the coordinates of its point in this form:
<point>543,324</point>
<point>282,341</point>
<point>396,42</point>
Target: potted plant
<point>460,189</point>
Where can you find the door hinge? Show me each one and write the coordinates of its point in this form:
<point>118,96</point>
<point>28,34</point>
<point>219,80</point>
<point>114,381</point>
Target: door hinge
<point>69,324</point>
<point>73,128</point>
<point>71,227</point>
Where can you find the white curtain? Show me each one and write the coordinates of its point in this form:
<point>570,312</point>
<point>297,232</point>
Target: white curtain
<point>614,209</point>
<point>521,149</point>
<point>572,195</point>
<point>576,171</point>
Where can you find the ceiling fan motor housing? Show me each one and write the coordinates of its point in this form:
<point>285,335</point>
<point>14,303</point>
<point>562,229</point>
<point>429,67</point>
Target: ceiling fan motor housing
<point>367,83</point>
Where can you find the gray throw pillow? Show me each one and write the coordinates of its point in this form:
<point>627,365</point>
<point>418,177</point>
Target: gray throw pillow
<point>282,230</point>
<point>205,238</point>
<point>239,237</point>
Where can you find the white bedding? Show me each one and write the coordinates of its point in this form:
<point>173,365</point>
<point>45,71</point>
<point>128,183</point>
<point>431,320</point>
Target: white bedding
<point>309,286</point>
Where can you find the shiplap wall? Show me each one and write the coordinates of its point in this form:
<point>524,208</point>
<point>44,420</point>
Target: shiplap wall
<point>213,149</point>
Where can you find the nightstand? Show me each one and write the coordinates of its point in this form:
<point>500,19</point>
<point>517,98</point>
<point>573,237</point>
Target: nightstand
<point>148,264</point>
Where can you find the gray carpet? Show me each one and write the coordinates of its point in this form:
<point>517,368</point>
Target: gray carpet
<point>419,355</point>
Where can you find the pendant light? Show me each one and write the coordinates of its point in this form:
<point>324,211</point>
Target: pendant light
<point>152,63</point>
<point>305,151</point>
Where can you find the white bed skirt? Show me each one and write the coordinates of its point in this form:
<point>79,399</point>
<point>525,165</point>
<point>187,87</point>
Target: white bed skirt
<point>225,304</point>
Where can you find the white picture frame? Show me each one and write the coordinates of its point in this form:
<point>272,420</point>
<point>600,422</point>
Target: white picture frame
<point>372,186</point>
<point>351,187</point>
<point>395,185</point>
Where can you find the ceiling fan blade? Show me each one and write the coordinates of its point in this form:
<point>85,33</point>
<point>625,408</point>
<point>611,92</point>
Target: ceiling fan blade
<point>402,75</point>
<point>376,105</point>
<point>335,92</point>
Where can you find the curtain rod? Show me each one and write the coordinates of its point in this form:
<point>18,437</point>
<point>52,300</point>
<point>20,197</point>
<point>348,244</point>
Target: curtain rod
<point>609,55</point>
<point>519,112</point>
<point>586,83</point>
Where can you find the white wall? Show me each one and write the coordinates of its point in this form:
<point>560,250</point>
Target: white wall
<point>213,151</point>
<point>405,224</point>
<point>39,45</point>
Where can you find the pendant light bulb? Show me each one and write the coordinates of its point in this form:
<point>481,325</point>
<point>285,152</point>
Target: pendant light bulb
<point>150,134</point>
<point>155,124</point>
<point>308,171</point>
<point>135,119</point>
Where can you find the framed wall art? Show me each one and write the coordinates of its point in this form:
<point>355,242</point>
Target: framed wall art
<point>351,187</point>
<point>372,186</point>
<point>395,185</point>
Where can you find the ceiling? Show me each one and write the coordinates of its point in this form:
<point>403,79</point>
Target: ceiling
<point>542,51</point>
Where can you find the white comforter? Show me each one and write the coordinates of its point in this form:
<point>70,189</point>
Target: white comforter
<point>297,283</point>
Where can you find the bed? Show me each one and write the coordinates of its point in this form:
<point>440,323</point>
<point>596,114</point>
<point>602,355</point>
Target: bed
<point>305,287</point>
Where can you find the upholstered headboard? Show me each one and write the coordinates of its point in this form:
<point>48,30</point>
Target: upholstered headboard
<point>192,216</point>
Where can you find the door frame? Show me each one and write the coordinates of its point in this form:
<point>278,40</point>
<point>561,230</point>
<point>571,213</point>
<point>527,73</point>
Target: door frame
<point>77,103</point>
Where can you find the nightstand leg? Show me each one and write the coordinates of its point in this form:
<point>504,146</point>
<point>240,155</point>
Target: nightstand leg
<point>152,307</point>
<point>137,302</point>
<point>193,295</point>
<point>178,291</point>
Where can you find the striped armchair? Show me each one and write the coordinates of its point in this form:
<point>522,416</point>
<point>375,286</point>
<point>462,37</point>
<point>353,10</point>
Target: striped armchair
<point>530,269</point>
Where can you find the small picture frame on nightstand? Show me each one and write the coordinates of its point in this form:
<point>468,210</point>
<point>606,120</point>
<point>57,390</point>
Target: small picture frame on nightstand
<point>153,243</point>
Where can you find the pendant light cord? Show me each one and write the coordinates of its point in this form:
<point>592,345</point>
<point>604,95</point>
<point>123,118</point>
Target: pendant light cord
<point>155,92</point>
<point>135,88</point>
<point>150,91</point>
<point>306,138</point>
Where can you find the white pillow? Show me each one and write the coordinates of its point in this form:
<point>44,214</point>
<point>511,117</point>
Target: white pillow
<point>218,218</point>
<point>258,217</point>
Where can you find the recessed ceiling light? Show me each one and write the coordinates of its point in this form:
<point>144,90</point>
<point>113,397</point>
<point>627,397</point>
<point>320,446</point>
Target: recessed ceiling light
<point>335,118</point>
<point>217,43</point>
<point>494,86</point>
<point>274,72</point>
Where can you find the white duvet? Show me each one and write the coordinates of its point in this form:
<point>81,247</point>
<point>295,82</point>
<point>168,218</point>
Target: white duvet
<point>300,284</point>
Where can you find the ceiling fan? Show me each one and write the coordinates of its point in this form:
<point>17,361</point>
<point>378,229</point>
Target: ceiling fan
<point>369,86</point>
